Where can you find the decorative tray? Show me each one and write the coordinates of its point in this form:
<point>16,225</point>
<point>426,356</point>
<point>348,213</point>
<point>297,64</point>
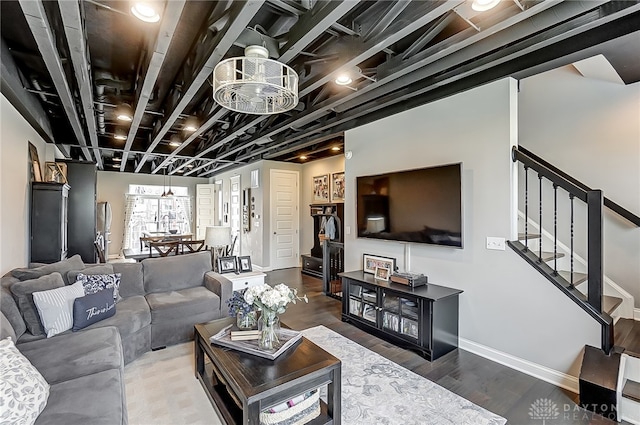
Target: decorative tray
<point>287,337</point>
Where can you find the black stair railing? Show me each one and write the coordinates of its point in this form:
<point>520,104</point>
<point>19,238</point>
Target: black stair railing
<point>332,264</point>
<point>592,303</point>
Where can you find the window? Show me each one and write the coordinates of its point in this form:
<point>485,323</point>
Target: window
<point>152,213</point>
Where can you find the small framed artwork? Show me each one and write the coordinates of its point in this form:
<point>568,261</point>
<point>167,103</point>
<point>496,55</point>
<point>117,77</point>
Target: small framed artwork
<point>321,188</point>
<point>36,174</point>
<point>244,264</point>
<point>382,273</point>
<point>337,187</point>
<point>371,262</point>
<point>55,172</point>
<point>227,265</point>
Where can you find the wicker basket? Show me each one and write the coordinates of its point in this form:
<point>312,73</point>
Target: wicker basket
<point>300,414</point>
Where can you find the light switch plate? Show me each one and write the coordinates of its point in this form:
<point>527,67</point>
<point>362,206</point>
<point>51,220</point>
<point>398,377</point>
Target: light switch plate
<point>495,243</point>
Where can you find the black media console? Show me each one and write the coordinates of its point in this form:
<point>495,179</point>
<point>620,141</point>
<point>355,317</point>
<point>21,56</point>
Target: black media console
<point>422,319</point>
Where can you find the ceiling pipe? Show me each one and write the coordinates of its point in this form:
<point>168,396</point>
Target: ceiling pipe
<point>100,108</point>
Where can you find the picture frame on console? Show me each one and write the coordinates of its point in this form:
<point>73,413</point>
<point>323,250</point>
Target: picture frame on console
<point>382,273</point>
<point>244,264</point>
<point>371,262</point>
<point>227,264</point>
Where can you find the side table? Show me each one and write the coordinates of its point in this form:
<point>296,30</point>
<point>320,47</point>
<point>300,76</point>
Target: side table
<point>245,280</point>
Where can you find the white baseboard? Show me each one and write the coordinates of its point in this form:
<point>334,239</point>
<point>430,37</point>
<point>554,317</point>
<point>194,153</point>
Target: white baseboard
<point>636,314</point>
<point>544,373</point>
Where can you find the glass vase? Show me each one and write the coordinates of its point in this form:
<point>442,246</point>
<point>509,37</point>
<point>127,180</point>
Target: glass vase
<point>246,320</point>
<point>269,326</point>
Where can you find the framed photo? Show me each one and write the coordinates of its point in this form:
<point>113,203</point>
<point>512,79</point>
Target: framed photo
<point>244,264</point>
<point>337,187</point>
<point>321,188</point>
<point>227,265</point>
<point>371,262</point>
<point>382,273</point>
<point>55,172</point>
<point>36,174</point>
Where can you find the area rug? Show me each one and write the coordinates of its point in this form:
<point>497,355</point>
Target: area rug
<point>378,391</point>
<point>162,390</point>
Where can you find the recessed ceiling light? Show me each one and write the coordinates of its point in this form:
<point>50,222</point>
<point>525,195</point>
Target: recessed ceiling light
<point>343,80</point>
<point>116,159</point>
<point>335,148</point>
<point>115,165</point>
<point>120,134</point>
<point>189,165</point>
<point>145,11</point>
<point>483,5</point>
<point>303,157</point>
<point>191,124</point>
<point>124,112</point>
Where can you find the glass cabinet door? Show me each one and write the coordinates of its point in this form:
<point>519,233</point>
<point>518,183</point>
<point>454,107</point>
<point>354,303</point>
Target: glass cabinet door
<point>400,314</point>
<point>362,302</point>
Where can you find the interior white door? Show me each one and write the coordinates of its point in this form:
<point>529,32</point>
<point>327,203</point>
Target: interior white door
<point>285,221</point>
<point>234,216</point>
<point>205,208</point>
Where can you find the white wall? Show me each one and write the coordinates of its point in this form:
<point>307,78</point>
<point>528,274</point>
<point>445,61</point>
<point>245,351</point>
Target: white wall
<point>334,164</point>
<point>591,130</point>
<point>506,304</point>
<point>112,187</point>
<point>15,177</point>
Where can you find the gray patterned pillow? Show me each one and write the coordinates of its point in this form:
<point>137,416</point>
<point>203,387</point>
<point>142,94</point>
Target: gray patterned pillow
<point>98,282</point>
<point>23,390</point>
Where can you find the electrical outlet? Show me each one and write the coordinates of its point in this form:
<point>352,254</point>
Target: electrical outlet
<point>347,230</point>
<point>495,243</point>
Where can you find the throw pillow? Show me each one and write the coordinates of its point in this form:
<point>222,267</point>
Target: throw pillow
<point>98,282</point>
<point>56,307</point>
<point>72,276</point>
<point>23,390</point>
<point>93,308</point>
<point>22,292</point>
<point>62,267</point>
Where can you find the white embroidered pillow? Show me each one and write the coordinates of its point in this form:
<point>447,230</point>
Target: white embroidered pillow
<point>23,390</point>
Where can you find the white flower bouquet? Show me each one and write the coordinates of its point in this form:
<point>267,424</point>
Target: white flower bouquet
<point>275,299</point>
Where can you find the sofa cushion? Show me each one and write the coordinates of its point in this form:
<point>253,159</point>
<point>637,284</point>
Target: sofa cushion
<point>93,308</point>
<point>72,355</point>
<point>168,306</point>
<point>98,282</point>
<point>62,267</point>
<point>23,390</point>
<point>97,399</point>
<point>132,314</point>
<point>177,272</point>
<point>6,330</point>
<point>22,292</point>
<point>55,307</point>
<point>9,307</point>
<point>72,276</point>
<point>131,280</point>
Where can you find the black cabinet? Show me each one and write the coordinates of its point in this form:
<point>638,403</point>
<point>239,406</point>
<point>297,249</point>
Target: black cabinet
<point>82,177</point>
<point>49,205</point>
<point>312,266</point>
<point>423,319</point>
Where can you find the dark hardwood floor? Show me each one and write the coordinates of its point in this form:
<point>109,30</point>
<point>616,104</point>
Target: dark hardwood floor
<point>495,387</point>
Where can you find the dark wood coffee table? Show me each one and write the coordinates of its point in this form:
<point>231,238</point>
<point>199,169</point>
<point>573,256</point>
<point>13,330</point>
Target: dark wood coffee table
<point>241,385</point>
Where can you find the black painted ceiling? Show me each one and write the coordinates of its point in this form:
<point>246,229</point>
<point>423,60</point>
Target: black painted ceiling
<point>77,60</point>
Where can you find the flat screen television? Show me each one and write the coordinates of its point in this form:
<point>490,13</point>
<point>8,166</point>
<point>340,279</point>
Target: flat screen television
<point>422,205</point>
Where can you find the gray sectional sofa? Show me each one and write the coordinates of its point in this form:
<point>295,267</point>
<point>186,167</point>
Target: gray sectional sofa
<point>162,298</point>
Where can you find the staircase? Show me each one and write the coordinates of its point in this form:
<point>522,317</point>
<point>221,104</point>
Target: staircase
<point>552,206</point>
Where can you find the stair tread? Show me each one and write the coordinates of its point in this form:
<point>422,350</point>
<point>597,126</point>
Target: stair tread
<point>631,390</point>
<point>578,278</point>
<point>521,236</point>
<point>609,303</point>
<point>548,256</point>
<point>599,369</point>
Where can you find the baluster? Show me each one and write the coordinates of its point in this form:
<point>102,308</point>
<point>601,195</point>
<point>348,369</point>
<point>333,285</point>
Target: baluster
<point>571,245</point>
<point>555,229</point>
<point>540,216</point>
<point>526,208</point>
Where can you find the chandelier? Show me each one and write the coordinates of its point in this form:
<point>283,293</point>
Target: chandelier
<point>255,84</point>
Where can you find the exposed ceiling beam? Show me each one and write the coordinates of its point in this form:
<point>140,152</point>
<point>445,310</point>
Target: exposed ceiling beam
<point>73,22</point>
<point>41,29</point>
<point>240,14</point>
<point>389,14</point>
<point>170,20</point>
